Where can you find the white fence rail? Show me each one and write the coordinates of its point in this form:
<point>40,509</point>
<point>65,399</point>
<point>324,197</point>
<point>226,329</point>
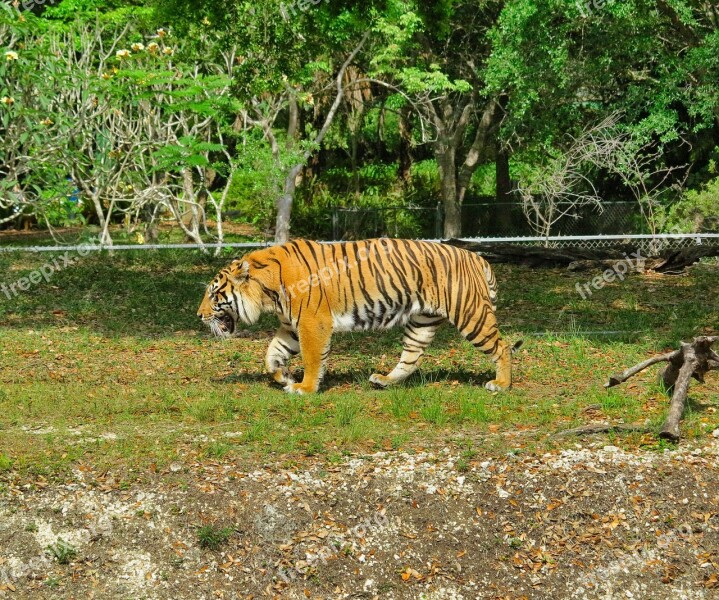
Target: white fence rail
<point>663,240</point>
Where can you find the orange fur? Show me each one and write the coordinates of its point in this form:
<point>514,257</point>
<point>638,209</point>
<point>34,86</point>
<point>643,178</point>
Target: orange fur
<point>316,289</point>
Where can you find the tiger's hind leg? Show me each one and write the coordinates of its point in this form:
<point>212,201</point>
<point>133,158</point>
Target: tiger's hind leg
<point>283,346</point>
<point>418,334</point>
<point>482,332</point>
<point>502,357</point>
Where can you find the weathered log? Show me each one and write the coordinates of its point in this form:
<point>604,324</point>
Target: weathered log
<point>535,256</point>
<point>692,360</point>
<point>677,261</point>
<point>633,265</point>
<point>578,258</point>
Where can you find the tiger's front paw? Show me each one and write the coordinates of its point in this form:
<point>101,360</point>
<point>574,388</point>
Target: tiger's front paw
<point>300,388</point>
<point>496,386</point>
<point>380,380</point>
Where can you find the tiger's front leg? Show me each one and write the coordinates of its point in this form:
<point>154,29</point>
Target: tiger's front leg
<point>283,346</point>
<point>315,347</point>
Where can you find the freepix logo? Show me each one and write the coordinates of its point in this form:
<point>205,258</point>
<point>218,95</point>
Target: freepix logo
<point>589,7</point>
<point>45,272</point>
<point>630,262</point>
<point>301,5</point>
<point>30,4</point>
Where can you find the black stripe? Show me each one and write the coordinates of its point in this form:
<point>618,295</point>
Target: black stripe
<point>287,349</point>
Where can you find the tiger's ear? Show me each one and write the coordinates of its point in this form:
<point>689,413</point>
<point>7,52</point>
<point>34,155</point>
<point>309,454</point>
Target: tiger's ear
<point>240,270</point>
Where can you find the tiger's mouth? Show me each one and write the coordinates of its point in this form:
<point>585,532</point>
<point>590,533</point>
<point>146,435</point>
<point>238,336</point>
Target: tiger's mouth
<point>222,325</point>
<point>228,323</point>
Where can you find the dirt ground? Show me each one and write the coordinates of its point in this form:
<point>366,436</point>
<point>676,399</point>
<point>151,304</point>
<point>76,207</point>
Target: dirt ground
<point>592,521</point>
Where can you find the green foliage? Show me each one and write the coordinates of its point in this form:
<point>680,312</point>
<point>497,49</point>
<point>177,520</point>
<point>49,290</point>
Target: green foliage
<point>212,537</point>
<point>63,551</point>
<point>62,207</point>
<point>562,67</point>
<point>556,65</point>
<point>484,180</point>
<point>425,178</point>
<point>114,122</point>
<point>258,180</point>
<point>190,152</point>
<point>697,211</point>
<point>106,11</point>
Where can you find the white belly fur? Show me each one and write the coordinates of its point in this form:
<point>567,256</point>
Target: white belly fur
<point>345,322</point>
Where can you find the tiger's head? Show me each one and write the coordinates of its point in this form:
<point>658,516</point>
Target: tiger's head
<point>232,296</point>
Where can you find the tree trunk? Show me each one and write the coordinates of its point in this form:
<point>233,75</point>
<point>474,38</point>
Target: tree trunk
<point>405,146</point>
<point>354,148</point>
<point>191,217</point>
<point>504,182</point>
<point>481,148</point>
<point>284,206</point>
<point>503,193</point>
<point>445,155</point>
<point>451,123</point>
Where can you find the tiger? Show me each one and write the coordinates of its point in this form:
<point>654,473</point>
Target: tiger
<point>317,289</point>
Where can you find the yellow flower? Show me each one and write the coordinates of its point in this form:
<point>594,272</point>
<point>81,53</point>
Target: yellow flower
<point>123,54</point>
<point>206,21</point>
<point>106,76</point>
<point>46,122</point>
<point>8,100</point>
<point>161,32</point>
<point>137,47</point>
<point>10,55</point>
<point>168,51</point>
<point>152,48</point>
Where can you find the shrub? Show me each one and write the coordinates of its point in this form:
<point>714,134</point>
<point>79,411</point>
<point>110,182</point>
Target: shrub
<point>697,211</point>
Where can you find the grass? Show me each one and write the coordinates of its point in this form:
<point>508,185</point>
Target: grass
<point>107,365</point>
<point>212,537</point>
<point>63,551</point>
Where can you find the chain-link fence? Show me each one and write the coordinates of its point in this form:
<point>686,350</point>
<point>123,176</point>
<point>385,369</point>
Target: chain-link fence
<point>648,244</point>
<point>392,221</point>
<point>486,219</point>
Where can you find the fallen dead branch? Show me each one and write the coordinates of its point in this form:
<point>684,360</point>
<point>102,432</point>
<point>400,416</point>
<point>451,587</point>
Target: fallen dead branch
<point>693,359</point>
<point>576,258</point>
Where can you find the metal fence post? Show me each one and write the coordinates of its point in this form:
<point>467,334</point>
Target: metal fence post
<point>438,224</point>
<point>335,224</point>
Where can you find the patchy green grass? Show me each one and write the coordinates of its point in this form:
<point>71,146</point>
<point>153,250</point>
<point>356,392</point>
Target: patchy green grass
<point>62,551</point>
<point>107,364</point>
<point>213,537</point>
